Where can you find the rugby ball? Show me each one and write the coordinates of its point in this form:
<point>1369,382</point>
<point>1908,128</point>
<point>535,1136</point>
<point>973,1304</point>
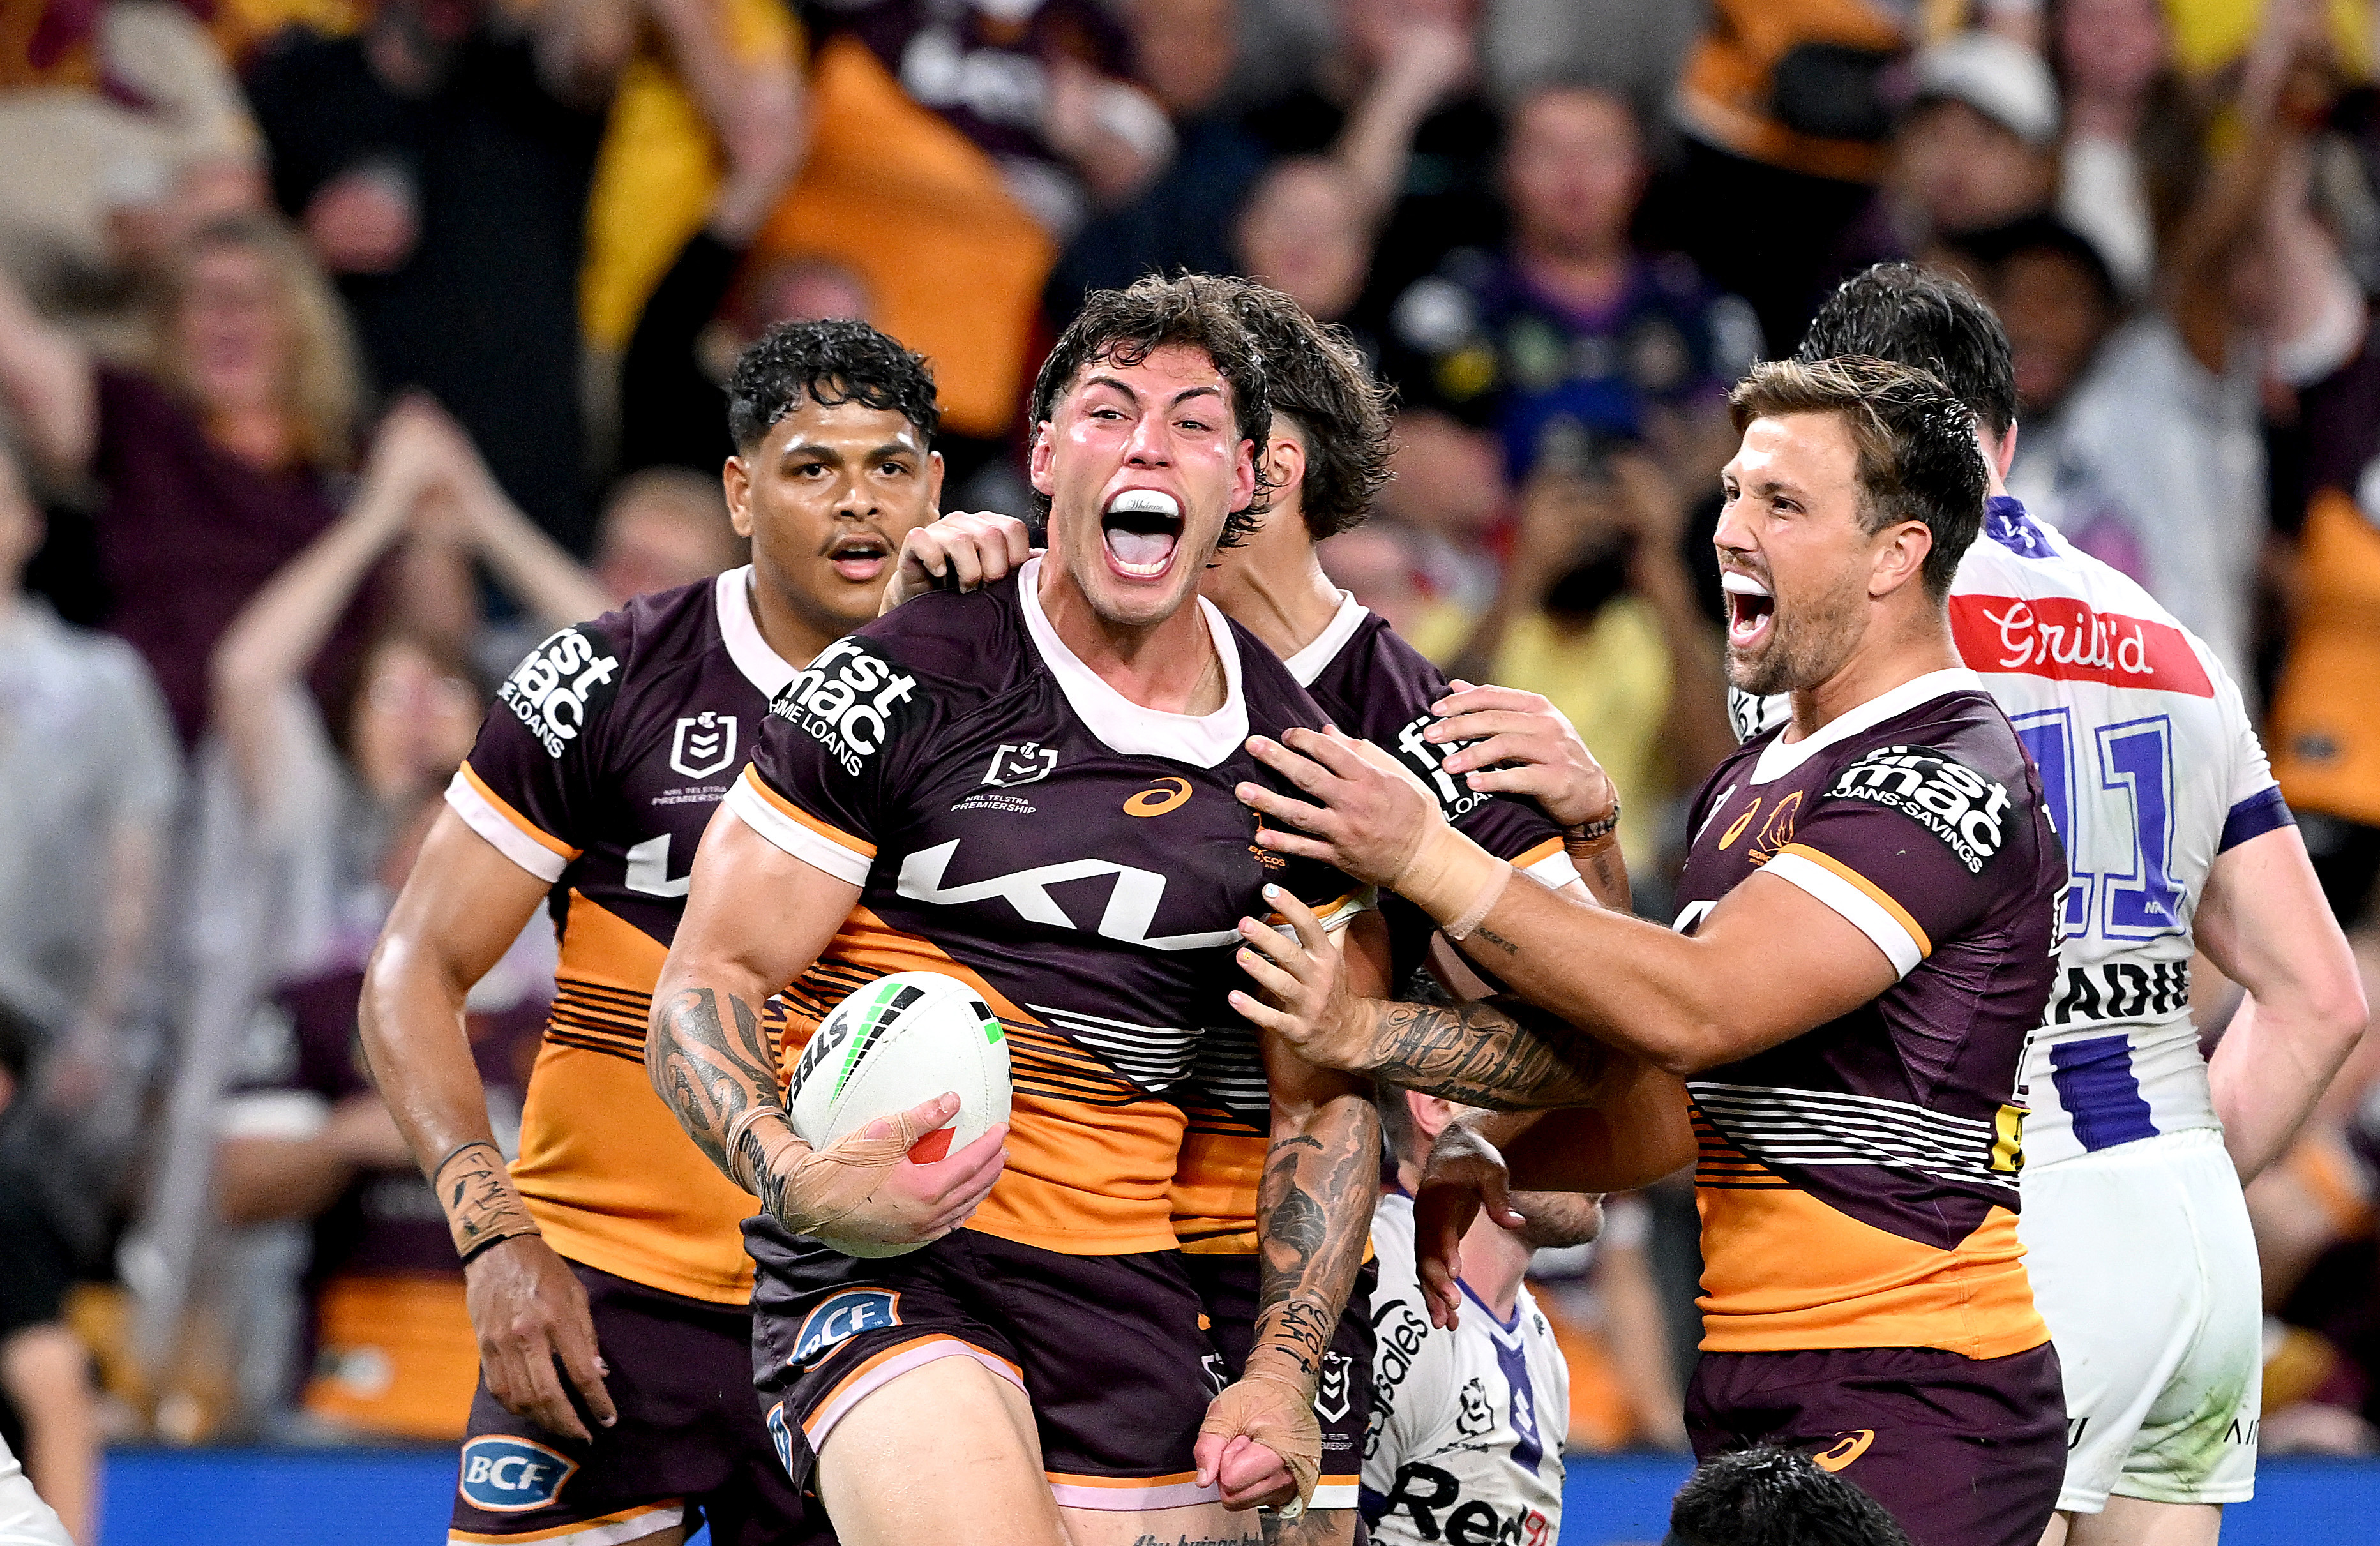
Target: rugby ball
<point>895,1044</point>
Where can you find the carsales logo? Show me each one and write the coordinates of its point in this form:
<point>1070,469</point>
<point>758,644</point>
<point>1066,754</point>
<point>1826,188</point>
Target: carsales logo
<point>2059,637</point>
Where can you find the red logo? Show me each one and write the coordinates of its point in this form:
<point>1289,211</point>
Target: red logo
<point>2059,637</point>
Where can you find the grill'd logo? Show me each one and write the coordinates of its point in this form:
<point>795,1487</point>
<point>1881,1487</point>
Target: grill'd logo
<point>1958,805</point>
<point>561,685</point>
<point>851,700</point>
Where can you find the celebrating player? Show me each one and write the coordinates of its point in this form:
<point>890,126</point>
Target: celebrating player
<point>2175,833</point>
<point>606,1278</point>
<point>1863,944</point>
<point>1029,788</point>
<point>1327,455</point>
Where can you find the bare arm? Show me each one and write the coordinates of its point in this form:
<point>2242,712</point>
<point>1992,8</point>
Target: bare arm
<point>1431,59</point>
<point>48,381</point>
<point>259,1179</point>
<point>755,917</point>
<point>46,1370</point>
<point>531,566</point>
<point>2264,920</point>
<point>461,909</point>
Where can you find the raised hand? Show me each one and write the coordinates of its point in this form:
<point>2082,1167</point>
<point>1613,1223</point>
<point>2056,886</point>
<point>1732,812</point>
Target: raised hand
<point>963,549</point>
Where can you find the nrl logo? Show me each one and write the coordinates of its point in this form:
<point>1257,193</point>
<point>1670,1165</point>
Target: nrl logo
<point>1027,764</point>
<point>704,743</point>
<point>1331,1392</point>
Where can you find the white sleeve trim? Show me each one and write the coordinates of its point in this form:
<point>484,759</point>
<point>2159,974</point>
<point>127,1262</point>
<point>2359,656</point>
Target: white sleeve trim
<point>1856,905</point>
<point>498,828</point>
<point>749,806</point>
<point>1555,869</point>
<point>288,1114</point>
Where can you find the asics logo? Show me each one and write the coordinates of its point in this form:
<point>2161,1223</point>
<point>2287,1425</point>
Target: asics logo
<point>1848,1448</point>
<point>1166,795</point>
<point>1132,905</point>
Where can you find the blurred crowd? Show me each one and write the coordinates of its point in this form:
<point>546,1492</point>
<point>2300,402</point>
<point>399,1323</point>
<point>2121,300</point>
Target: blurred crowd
<point>348,347</point>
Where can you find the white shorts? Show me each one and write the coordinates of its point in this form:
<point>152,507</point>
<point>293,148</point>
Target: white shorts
<point>2143,1265</point>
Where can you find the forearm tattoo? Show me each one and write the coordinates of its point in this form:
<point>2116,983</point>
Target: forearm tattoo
<point>712,1078</point>
<point>1600,864</point>
<point>477,1193</point>
<point>1314,1214</point>
<point>1499,1052</point>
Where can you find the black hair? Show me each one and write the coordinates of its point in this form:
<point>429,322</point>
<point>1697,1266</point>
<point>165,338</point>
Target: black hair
<point>19,1037</point>
<point>1918,460</point>
<point>1766,1496</point>
<point>1921,318</point>
<point>827,361</point>
<point>1316,374</point>
<point>1989,250</point>
<point>1124,327</point>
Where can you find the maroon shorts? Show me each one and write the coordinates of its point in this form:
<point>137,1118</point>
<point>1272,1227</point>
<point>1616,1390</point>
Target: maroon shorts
<point>1962,1452</point>
<point>1108,1348</point>
<point>1342,1398</point>
<point>689,1446</point>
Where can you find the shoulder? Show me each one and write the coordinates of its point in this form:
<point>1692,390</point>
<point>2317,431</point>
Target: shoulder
<point>1376,682</point>
<point>1275,699</point>
<point>972,643</point>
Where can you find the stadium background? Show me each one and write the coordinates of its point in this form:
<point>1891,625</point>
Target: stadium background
<point>475,265</point>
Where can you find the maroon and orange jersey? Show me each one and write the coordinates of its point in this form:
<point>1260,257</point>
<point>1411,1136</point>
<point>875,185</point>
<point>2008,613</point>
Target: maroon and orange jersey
<point>597,769</point>
<point>1375,687</point>
<point>1858,1184</point>
<point>1081,861</point>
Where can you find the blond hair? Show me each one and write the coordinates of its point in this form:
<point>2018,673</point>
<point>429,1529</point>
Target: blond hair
<point>322,388</point>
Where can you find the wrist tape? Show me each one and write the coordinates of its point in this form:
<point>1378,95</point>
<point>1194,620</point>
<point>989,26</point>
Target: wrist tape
<point>1452,878</point>
<point>476,1192</point>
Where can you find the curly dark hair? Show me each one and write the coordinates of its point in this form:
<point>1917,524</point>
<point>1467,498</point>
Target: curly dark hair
<point>1913,316</point>
<point>1317,376</point>
<point>1124,327</point>
<point>1918,460</point>
<point>828,361</point>
<point>1766,1496</point>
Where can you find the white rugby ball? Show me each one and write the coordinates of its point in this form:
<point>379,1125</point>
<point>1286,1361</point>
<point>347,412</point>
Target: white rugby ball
<point>896,1044</point>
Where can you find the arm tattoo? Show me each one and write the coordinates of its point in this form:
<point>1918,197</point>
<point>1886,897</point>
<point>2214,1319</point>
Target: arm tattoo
<point>1499,1052</point>
<point>1313,1213</point>
<point>709,1078</point>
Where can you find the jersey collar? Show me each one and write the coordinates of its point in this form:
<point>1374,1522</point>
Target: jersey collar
<point>1309,662</point>
<point>1781,756</point>
<point>1121,725</point>
<point>761,666</point>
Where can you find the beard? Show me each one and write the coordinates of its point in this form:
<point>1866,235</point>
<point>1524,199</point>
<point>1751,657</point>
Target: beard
<point>1557,1218</point>
<point>1802,649</point>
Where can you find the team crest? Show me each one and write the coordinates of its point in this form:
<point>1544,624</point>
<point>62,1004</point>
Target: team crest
<point>505,1474</point>
<point>1027,764</point>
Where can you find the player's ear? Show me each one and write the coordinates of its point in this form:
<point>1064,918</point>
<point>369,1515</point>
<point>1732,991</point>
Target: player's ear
<point>1284,463</point>
<point>1430,1113</point>
<point>1037,462</point>
<point>934,481</point>
<point>736,480</point>
<point>1243,476</point>
<point>1900,557</point>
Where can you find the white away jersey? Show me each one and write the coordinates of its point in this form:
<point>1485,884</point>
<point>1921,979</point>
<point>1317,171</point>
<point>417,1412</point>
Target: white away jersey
<point>1467,1425</point>
<point>2150,769</point>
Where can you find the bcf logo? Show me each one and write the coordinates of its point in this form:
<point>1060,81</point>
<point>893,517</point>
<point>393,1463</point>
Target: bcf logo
<point>704,743</point>
<point>841,1318</point>
<point>505,1474</point>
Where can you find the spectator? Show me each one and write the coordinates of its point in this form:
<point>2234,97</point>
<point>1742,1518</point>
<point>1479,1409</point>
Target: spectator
<point>1396,105</point>
<point>115,115</point>
<point>1380,563</point>
<point>1570,340</point>
<point>663,528</point>
<point>1305,231</point>
<point>24,1519</point>
<point>303,1135</point>
<point>440,163</point>
<point>1978,150</point>
<point>88,758</point>
<point>1468,1422</point>
<point>217,468</point>
<point>2132,153</point>
<point>1182,52</point>
<point>1598,612</point>
<point>1448,493</point>
<point>1784,104</point>
<point>1634,48</point>
<point>1764,1496</point>
<point>44,1369</point>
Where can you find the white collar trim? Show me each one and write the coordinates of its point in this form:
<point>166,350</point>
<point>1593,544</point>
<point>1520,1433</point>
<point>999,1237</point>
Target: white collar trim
<point>1781,756</point>
<point>1309,662</point>
<point>761,666</point>
<point>1121,725</point>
